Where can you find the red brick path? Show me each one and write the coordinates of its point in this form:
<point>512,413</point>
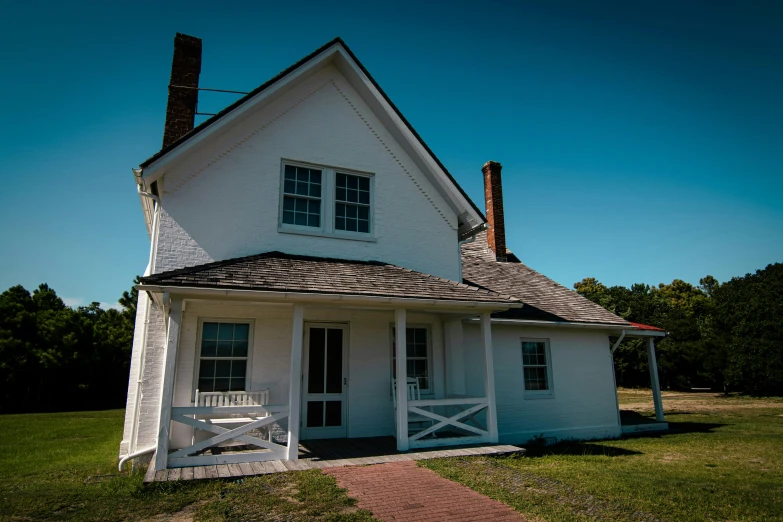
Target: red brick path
<point>404,491</point>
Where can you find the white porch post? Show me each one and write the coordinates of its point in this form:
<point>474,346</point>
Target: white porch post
<point>656,385</point>
<point>489,377</point>
<point>295,393</point>
<point>167,393</point>
<point>402,379</point>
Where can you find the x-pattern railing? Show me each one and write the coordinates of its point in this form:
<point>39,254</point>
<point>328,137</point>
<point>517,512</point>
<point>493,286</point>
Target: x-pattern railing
<point>458,420</point>
<point>254,417</point>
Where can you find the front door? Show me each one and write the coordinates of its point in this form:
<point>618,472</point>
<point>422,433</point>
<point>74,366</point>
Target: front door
<point>324,382</point>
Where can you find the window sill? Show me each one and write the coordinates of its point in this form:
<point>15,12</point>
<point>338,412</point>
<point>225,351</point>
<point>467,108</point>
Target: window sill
<point>536,396</point>
<point>351,236</point>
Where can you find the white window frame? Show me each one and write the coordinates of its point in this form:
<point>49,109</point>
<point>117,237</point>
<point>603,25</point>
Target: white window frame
<point>328,203</point>
<point>249,358</point>
<point>424,391</point>
<point>538,394</point>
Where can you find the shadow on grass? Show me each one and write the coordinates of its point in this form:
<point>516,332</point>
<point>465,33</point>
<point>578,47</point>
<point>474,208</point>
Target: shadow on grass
<point>577,448</point>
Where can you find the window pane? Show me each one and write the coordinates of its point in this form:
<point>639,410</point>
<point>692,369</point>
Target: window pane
<point>225,332</point>
<point>339,223</point>
<point>315,414</point>
<point>222,385</point>
<point>364,184</point>
<point>224,348</point>
<point>241,332</point>
<point>315,177</point>
<point>206,370</point>
<point>206,385</point>
<point>290,172</point>
<point>289,187</point>
<point>288,218</point>
<point>223,368</point>
<point>208,348</point>
<point>363,213</point>
<point>352,182</point>
<point>315,371</point>
<point>364,226</point>
<point>334,413</point>
<point>334,361</point>
<point>300,219</point>
<point>237,385</point>
<point>238,370</point>
<point>210,331</point>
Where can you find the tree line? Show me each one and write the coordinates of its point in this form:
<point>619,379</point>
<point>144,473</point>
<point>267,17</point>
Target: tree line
<point>725,336</point>
<point>54,357</point>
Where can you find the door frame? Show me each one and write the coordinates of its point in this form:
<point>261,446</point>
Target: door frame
<point>306,433</point>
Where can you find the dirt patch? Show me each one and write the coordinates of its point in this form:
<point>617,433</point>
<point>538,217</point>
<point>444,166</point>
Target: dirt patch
<point>679,402</point>
<point>185,515</point>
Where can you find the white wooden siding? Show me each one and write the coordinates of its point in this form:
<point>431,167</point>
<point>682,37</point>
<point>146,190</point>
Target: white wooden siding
<point>222,201</point>
<point>582,405</point>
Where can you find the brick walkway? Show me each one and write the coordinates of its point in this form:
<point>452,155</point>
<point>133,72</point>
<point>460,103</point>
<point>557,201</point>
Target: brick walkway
<point>404,491</point>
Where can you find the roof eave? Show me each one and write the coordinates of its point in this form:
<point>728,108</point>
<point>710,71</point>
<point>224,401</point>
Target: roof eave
<point>313,297</point>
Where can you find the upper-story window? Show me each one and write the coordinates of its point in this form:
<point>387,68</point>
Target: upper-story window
<point>324,201</point>
<point>302,196</point>
<point>352,203</point>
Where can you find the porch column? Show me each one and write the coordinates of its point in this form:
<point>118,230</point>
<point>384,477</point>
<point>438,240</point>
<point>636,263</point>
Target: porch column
<point>656,385</point>
<point>295,393</point>
<point>167,393</point>
<point>402,379</point>
<point>489,377</point>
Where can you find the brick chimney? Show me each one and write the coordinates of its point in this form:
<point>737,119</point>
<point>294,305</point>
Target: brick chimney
<point>183,93</point>
<point>493,197</point>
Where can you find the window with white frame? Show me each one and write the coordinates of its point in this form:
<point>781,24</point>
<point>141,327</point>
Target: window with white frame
<point>318,200</point>
<point>352,203</point>
<point>223,358</point>
<point>535,365</point>
<point>302,196</point>
<point>417,351</point>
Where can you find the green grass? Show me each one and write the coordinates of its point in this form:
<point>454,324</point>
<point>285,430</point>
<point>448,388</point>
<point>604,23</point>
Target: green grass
<point>45,460</point>
<point>722,460</point>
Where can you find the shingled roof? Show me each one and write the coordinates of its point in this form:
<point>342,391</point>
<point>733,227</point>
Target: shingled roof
<point>545,300</point>
<point>276,271</point>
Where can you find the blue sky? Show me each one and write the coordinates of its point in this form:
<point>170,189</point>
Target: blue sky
<point>641,141</point>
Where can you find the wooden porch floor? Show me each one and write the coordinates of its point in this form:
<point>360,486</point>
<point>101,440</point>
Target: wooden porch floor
<point>317,454</point>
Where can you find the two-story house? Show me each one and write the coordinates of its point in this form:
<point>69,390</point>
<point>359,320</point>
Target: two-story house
<point>308,253</point>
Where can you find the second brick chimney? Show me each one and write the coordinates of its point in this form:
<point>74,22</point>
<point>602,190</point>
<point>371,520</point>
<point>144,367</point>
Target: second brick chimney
<point>183,88</point>
<point>493,197</point>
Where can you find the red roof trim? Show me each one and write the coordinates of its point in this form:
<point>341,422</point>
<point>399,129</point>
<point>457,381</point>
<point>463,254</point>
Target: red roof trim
<point>640,326</point>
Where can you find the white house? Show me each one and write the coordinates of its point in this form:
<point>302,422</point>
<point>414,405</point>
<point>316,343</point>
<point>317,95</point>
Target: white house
<point>294,236</point>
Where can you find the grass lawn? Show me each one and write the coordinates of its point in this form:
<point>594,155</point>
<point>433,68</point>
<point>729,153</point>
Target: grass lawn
<point>46,458</point>
<point>721,460</point>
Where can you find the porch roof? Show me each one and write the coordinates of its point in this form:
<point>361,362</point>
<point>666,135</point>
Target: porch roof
<point>280,272</point>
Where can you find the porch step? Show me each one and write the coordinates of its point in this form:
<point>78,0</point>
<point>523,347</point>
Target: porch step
<point>346,452</point>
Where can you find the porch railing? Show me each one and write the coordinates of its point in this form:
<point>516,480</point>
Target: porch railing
<point>460,431</point>
<point>250,418</point>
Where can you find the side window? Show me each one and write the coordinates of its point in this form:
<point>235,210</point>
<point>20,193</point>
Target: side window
<point>536,367</point>
<point>223,357</point>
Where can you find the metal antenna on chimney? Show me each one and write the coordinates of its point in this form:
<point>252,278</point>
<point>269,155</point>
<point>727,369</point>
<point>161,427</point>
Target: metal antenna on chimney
<point>206,89</point>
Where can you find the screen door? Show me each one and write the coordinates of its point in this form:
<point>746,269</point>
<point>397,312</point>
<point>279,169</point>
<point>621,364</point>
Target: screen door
<point>324,382</point>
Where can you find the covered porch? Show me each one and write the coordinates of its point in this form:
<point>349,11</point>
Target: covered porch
<point>632,422</point>
<point>307,366</point>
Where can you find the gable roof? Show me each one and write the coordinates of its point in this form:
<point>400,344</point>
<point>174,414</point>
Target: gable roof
<point>279,272</point>
<point>323,53</point>
<point>545,300</point>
